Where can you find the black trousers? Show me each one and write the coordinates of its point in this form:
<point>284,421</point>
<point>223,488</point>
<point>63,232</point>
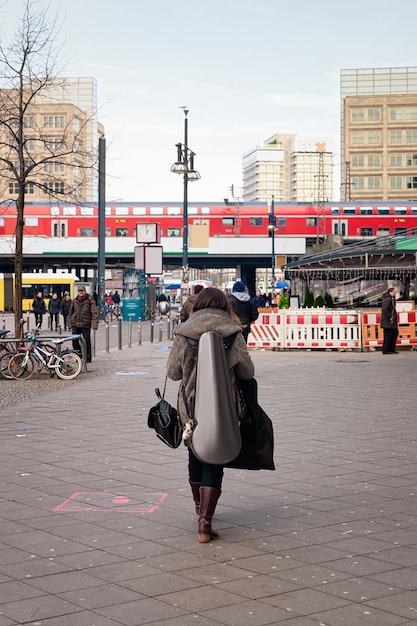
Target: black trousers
<point>38,319</point>
<point>86,333</point>
<point>205,473</point>
<point>390,338</point>
<point>54,316</point>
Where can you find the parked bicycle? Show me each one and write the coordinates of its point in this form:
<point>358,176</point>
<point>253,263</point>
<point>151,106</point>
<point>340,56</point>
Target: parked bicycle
<point>113,313</point>
<point>41,355</point>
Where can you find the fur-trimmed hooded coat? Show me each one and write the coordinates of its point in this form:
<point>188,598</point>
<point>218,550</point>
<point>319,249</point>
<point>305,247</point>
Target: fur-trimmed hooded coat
<point>182,359</point>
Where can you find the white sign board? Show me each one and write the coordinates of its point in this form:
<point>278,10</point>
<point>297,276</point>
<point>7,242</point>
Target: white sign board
<point>149,258</point>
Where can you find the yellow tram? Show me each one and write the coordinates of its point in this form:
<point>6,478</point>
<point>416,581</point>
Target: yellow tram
<point>32,283</point>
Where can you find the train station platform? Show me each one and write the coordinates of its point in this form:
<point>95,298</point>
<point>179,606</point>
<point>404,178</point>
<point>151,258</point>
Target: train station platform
<point>98,525</point>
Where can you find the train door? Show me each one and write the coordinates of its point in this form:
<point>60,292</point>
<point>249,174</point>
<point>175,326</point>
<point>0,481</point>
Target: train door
<point>59,228</point>
<point>340,227</point>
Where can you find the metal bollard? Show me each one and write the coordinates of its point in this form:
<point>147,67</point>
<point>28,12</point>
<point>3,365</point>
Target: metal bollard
<point>129,334</point>
<point>139,332</point>
<point>168,327</point>
<point>27,322</point>
<point>107,335</point>
<point>93,343</point>
<point>160,329</point>
<point>152,325</point>
<point>4,321</point>
<point>119,334</point>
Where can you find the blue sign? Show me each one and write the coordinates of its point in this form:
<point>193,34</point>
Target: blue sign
<point>133,310</point>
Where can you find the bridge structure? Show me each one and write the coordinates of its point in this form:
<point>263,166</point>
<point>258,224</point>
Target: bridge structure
<point>78,254</point>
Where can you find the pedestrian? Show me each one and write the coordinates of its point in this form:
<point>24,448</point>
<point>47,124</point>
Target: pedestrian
<point>243,306</point>
<point>39,309</point>
<point>260,300</point>
<point>389,322</point>
<point>211,312</point>
<point>116,297</point>
<point>65,308</point>
<point>82,317</point>
<point>284,300</point>
<point>187,307</point>
<point>54,308</point>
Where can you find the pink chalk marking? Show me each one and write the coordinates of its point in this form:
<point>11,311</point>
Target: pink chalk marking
<point>103,502</point>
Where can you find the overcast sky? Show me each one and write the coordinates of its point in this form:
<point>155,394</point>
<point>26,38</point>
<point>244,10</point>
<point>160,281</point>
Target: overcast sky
<point>246,69</point>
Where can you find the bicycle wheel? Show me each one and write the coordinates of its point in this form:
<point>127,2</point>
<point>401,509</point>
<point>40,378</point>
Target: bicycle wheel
<point>21,366</point>
<point>68,365</point>
<point>4,364</point>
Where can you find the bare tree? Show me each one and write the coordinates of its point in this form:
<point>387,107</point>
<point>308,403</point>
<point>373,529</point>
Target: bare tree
<point>35,148</point>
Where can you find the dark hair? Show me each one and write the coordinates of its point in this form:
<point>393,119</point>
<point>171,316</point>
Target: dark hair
<point>197,289</point>
<point>213,298</point>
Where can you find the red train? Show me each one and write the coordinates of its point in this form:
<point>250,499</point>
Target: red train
<point>350,220</point>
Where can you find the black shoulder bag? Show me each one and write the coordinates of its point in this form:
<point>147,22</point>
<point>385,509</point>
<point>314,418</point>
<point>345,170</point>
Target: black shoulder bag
<point>163,418</point>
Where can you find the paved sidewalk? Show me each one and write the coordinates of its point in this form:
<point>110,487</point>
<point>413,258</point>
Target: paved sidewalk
<point>97,522</point>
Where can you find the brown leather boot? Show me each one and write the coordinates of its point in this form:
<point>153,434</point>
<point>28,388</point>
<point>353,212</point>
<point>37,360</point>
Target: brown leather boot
<point>195,490</point>
<point>208,501</point>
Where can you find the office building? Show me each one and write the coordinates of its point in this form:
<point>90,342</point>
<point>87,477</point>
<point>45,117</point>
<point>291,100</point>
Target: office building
<point>289,169</point>
<point>61,128</point>
<point>379,133</point>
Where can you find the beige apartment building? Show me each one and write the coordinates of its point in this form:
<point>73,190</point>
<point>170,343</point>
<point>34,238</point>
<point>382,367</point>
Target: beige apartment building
<point>379,134</point>
<point>61,134</point>
<point>288,168</point>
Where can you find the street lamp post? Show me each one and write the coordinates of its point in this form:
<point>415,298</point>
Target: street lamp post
<point>272,227</point>
<point>185,165</point>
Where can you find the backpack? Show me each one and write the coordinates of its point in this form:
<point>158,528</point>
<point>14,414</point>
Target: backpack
<point>216,435</point>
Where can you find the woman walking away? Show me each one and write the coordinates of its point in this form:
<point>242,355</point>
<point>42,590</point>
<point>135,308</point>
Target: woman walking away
<point>389,322</point>
<point>211,312</point>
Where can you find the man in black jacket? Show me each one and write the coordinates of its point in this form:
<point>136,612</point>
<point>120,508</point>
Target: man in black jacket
<point>244,307</point>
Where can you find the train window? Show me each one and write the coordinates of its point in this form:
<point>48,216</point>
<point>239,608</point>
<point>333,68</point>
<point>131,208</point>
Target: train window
<point>174,210</point>
<point>365,210</point>
<point>400,210</point>
<point>205,210</point>
<point>400,231</point>
<point>311,221</point>
<point>156,210</point>
<point>69,210</point>
<point>414,210</point>
<point>108,232</point>
<point>255,221</point>
<point>192,210</point>
<point>347,211</point>
<point>87,232</point>
<point>121,210</point>
<point>87,210</point>
<point>2,221</point>
<point>31,221</point>
<point>174,232</point>
<point>335,210</point>
<point>122,232</point>
<point>54,210</point>
<point>366,232</point>
<point>228,221</point>
<point>139,210</point>
<point>382,211</point>
<point>282,221</point>
<point>108,211</point>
